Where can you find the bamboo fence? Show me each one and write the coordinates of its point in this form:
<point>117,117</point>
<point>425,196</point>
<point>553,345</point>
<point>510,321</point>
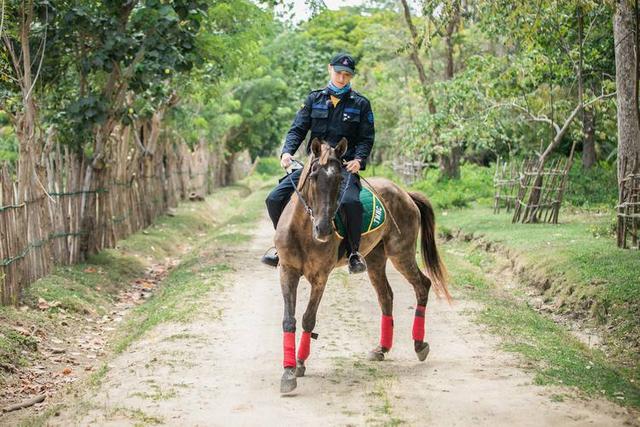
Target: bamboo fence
<point>628,209</point>
<point>506,181</point>
<point>541,191</point>
<point>146,173</point>
<point>409,171</point>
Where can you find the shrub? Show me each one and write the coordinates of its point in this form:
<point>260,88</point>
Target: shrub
<point>383,170</point>
<point>269,166</point>
<point>594,187</point>
<point>475,184</point>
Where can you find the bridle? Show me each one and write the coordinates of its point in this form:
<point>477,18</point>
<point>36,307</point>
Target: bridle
<point>306,206</point>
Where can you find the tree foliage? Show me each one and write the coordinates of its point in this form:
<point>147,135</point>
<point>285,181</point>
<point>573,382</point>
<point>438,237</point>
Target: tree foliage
<point>234,74</point>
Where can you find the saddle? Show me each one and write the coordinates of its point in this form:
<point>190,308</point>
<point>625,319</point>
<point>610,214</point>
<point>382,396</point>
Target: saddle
<point>373,216</point>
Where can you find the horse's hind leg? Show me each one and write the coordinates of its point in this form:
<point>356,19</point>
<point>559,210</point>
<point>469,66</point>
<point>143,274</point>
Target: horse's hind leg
<point>309,322</point>
<point>376,264</point>
<point>289,279</point>
<point>408,267</point>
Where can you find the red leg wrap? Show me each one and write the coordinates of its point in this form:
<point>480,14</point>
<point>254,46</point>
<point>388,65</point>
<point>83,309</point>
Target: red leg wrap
<point>305,346</point>
<point>418,323</point>
<point>386,332</point>
<point>289,346</point>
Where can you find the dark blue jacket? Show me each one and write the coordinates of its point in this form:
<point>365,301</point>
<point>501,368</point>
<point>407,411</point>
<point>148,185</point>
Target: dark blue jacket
<point>352,118</point>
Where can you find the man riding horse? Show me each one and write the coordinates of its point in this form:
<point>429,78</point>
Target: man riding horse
<point>332,113</point>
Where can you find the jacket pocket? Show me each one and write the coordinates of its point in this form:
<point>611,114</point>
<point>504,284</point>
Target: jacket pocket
<point>350,121</point>
<point>319,119</point>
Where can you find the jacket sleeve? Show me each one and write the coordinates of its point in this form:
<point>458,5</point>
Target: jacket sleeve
<point>299,128</point>
<point>366,134</point>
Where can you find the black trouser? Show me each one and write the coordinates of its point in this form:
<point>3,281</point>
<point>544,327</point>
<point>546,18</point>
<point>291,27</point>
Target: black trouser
<point>350,209</point>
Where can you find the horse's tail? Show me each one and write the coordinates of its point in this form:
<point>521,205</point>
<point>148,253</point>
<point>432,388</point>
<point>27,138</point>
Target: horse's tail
<point>435,267</point>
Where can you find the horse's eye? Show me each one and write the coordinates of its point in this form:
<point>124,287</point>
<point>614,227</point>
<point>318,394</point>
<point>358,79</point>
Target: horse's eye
<point>314,170</point>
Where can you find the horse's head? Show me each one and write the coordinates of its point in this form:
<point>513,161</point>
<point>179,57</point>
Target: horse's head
<point>323,185</point>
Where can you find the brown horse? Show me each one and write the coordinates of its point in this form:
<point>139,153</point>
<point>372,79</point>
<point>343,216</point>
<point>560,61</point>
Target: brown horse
<point>308,246</point>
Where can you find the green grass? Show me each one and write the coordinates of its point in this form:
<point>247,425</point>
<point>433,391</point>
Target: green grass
<point>223,220</point>
<point>581,273</point>
<point>176,300</point>
<point>378,381</point>
<point>557,356</point>
<point>159,239</point>
<point>86,288</point>
<point>142,418</point>
<point>156,393</point>
<point>13,344</point>
<point>90,288</point>
<point>199,272</point>
<point>95,379</point>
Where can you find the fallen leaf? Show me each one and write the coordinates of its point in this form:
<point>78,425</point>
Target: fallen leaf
<point>66,371</point>
<point>43,304</point>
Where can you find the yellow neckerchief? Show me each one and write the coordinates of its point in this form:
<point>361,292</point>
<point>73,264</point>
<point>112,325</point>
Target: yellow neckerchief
<point>334,100</point>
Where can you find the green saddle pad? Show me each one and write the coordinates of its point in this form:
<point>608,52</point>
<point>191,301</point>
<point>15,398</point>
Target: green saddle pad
<point>373,215</point>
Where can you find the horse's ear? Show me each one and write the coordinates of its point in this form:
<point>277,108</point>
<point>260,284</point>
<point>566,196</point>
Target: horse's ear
<point>316,147</point>
<point>341,148</point>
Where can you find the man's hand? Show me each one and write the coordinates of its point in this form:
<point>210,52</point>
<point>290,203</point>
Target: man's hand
<point>285,160</point>
<point>353,166</point>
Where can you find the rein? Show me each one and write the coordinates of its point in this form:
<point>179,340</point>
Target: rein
<point>306,206</point>
<point>307,209</point>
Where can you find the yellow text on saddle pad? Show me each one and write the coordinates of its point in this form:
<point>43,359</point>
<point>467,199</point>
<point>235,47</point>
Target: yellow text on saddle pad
<point>373,214</point>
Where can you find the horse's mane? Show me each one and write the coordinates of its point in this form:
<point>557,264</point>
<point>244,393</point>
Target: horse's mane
<point>324,158</point>
<point>305,172</point>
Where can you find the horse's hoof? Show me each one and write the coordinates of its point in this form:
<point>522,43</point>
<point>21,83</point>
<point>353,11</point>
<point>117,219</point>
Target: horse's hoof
<point>422,351</point>
<point>288,382</point>
<point>376,355</point>
<point>300,369</point>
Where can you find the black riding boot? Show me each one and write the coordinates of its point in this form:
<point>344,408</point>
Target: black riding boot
<point>357,264</point>
<point>276,202</point>
<point>353,214</point>
<point>270,258</point>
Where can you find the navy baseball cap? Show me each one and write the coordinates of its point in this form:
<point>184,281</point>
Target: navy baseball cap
<point>343,62</point>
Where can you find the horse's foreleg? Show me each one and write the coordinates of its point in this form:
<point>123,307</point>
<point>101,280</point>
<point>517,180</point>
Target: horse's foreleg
<point>421,285</point>
<point>376,263</point>
<point>289,279</point>
<point>308,323</point>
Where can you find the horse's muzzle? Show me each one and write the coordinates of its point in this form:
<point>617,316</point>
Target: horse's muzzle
<point>322,231</point>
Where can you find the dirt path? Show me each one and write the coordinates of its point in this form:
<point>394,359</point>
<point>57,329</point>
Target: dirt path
<point>224,368</point>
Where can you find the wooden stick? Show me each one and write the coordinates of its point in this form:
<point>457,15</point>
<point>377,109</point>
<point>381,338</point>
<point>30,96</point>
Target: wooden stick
<point>25,404</point>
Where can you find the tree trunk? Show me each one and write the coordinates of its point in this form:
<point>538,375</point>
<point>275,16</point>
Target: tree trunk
<point>450,162</point>
<point>452,27</point>
<point>588,149</point>
<point>624,24</point>
<point>229,164</point>
<point>415,54</point>
<point>589,142</point>
<point>26,120</point>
